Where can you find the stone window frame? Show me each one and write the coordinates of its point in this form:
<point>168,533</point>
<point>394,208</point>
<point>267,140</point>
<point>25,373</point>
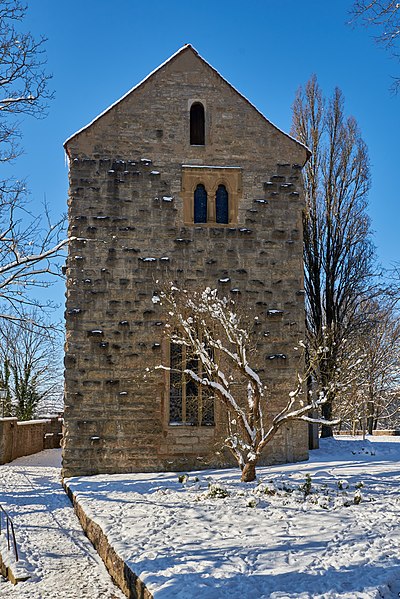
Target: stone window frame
<point>211,177</point>
<point>197,124</point>
<point>167,387</point>
<point>191,102</point>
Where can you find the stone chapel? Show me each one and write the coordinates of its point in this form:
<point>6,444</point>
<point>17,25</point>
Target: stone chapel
<point>180,180</point>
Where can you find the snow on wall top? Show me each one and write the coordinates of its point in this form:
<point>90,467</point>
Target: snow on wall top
<point>177,53</point>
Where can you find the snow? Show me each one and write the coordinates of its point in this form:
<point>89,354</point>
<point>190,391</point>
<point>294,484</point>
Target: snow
<point>29,422</point>
<point>53,548</point>
<point>328,528</point>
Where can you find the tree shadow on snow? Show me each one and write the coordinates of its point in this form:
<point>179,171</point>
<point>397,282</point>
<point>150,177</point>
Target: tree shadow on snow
<point>180,581</point>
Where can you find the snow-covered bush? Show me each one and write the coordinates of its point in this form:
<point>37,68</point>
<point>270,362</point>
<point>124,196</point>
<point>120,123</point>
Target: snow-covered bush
<point>342,484</point>
<point>306,486</point>
<point>217,490</point>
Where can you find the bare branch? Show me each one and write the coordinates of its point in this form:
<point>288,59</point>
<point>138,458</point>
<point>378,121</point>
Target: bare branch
<point>383,17</point>
<point>211,329</point>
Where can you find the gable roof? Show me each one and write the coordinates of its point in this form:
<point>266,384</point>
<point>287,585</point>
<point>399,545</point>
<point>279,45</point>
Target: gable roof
<point>185,48</point>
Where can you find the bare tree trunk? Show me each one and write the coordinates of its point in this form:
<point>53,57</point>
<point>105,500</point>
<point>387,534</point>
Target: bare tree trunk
<point>327,408</point>
<point>248,472</point>
<point>326,430</point>
<point>370,417</point>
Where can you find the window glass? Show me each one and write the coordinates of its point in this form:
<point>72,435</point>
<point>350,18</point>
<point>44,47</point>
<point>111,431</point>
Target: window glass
<point>175,383</point>
<point>189,403</point>
<point>222,205</point>
<point>200,204</point>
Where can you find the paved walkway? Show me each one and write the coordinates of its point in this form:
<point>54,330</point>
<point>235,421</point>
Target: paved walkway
<point>61,560</point>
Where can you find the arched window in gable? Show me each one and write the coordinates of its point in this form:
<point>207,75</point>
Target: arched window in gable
<point>222,205</point>
<point>200,204</point>
<point>197,124</point>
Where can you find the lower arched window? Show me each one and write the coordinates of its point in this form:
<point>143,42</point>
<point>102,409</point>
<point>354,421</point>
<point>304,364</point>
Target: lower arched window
<point>189,403</point>
<point>222,205</point>
<point>200,204</point>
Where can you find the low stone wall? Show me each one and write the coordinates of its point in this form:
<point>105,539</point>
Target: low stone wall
<point>120,572</point>
<point>28,437</point>
<point>24,438</point>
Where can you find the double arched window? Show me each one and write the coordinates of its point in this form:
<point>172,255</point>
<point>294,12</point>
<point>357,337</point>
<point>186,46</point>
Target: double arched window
<point>197,124</point>
<point>211,194</point>
<point>215,211</point>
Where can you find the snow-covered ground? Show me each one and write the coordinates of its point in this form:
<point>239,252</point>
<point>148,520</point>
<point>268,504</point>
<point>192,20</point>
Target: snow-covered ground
<point>210,536</point>
<point>336,537</point>
<point>54,550</point>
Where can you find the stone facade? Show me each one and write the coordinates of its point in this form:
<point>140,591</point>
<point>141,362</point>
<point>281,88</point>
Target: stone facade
<point>133,171</point>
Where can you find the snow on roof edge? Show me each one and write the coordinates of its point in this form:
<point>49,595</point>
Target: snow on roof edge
<point>128,92</point>
<point>253,106</point>
<point>185,47</point>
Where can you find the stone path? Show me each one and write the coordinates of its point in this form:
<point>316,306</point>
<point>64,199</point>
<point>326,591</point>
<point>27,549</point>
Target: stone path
<point>62,562</point>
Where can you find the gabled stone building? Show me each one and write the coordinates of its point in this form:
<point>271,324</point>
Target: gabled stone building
<point>180,180</point>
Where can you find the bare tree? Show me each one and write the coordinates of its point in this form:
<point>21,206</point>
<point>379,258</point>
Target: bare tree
<point>370,395</point>
<point>221,347</point>
<point>28,244</point>
<point>30,366</point>
<point>338,253</point>
<point>29,248</point>
<point>384,17</point>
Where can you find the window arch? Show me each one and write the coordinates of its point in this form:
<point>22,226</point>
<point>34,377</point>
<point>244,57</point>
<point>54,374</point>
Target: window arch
<point>222,205</point>
<point>197,124</point>
<point>200,204</point>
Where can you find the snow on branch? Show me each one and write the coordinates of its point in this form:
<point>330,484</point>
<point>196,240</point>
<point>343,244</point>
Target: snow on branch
<point>211,330</point>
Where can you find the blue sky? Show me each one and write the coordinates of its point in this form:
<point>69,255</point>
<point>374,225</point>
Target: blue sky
<point>97,50</point>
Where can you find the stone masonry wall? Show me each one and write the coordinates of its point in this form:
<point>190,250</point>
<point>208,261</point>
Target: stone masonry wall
<point>128,238</point>
<point>27,437</point>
